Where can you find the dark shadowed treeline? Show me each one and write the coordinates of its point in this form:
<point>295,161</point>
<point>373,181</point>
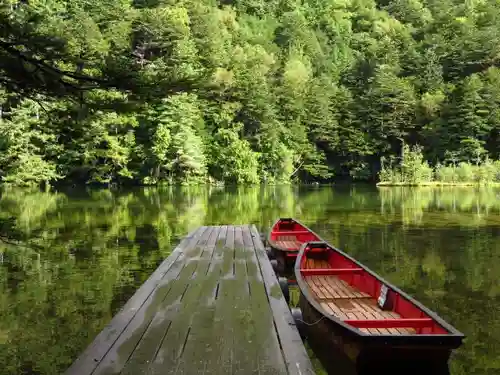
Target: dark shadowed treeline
<point>242,91</point>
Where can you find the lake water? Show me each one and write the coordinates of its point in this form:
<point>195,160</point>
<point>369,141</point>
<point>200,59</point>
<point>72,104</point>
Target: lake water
<point>69,261</point>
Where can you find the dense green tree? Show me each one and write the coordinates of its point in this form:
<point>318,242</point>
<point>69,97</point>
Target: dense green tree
<point>23,143</point>
<point>233,159</point>
<point>157,91</point>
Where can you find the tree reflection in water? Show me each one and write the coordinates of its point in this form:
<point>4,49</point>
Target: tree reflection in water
<point>70,260</point>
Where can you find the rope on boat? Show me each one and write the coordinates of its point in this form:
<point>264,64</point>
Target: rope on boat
<point>312,324</point>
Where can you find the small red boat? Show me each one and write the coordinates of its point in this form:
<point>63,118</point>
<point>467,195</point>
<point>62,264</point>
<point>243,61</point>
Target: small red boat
<point>285,239</point>
<point>358,323</point>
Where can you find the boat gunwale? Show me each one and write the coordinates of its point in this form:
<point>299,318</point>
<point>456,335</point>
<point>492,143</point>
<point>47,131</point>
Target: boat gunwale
<point>273,243</point>
<point>454,337</point>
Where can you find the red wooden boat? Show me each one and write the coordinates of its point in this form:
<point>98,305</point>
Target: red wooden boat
<point>358,323</point>
<point>285,239</point>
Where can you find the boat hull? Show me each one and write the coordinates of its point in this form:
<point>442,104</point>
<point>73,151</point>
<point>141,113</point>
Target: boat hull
<point>325,274</point>
<point>284,256</point>
<point>342,353</point>
<point>284,259</point>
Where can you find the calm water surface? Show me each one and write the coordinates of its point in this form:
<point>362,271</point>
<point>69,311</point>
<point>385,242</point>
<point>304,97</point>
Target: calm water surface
<point>69,261</point>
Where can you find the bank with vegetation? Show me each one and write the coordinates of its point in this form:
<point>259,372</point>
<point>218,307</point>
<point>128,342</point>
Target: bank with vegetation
<point>412,170</point>
<point>190,91</point>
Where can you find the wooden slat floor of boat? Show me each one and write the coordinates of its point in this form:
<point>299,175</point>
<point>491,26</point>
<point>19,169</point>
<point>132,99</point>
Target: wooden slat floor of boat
<point>346,302</point>
<point>288,242</point>
<point>214,306</point>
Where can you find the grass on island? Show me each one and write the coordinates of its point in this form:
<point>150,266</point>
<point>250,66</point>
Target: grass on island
<point>413,170</point>
<point>439,183</point>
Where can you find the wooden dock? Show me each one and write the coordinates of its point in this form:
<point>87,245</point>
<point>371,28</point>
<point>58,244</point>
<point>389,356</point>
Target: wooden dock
<point>214,306</point>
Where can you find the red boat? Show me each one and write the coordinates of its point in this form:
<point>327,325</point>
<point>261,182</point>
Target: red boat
<point>358,323</point>
<point>285,239</point>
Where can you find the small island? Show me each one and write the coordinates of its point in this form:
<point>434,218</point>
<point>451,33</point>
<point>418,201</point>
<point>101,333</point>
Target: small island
<point>413,170</point>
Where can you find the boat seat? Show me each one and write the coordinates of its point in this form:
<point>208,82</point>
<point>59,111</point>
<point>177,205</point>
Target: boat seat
<point>345,302</point>
<point>288,242</point>
<point>335,287</point>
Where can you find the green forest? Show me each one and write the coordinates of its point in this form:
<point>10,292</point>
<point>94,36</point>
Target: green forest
<point>118,92</point>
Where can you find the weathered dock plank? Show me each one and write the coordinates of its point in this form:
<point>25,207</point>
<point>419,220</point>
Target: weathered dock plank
<point>269,353</point>
<point>200,342</point>
<point>245,360</point>
<point>149,347</point>
<point>93,355</point>
<point>297,360</point>
<point>212,307</point>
